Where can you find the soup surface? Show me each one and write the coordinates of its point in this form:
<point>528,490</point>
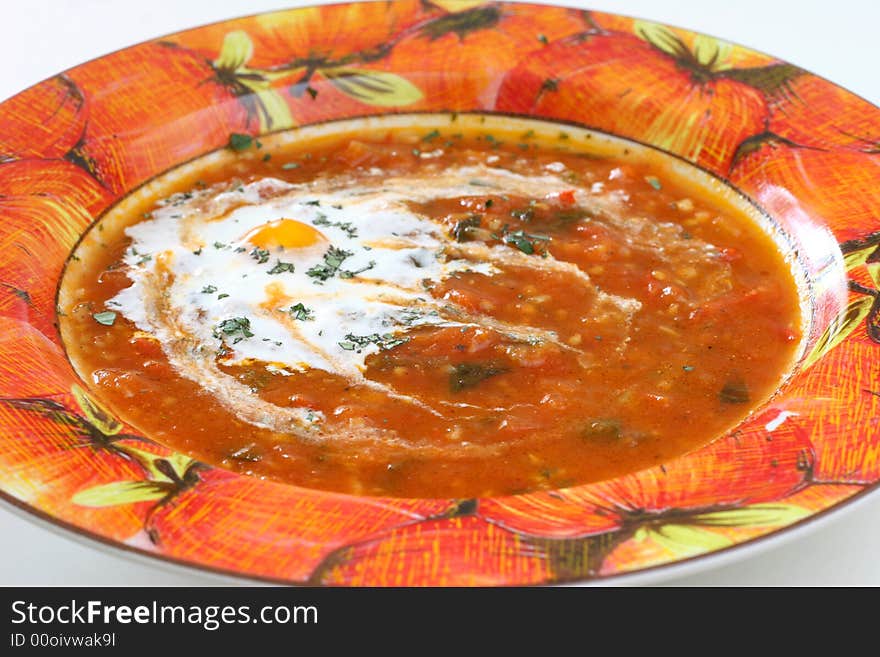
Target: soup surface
<point>449,306</point>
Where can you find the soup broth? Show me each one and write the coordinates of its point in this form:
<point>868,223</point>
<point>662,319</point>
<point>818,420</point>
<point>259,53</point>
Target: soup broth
<point>434,306</point>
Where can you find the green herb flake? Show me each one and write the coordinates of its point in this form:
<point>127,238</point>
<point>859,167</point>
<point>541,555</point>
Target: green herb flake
<point>312,92</point>
<point>735,391</point>
<point>290,165</point>
<point>240,142</point>
<point>282,267</point>
<point>431,136</point>
<point>543,39</point>
<point>462,229</point>
<point>106,318</point>
<point>260,255</point>
<point>688,368</point>
<point>267,157</point>
<point>359,342</point>
<point>351,274</point>
<point>300,313</point>
<point>332,261</point>
<point>654,182</point>
<point>468,375</point>
<point>222,296</point>
<point>237,328</point>
<point>209,289</point>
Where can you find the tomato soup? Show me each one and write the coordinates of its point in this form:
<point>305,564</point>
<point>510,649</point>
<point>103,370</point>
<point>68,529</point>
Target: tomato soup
<point>432,306</point>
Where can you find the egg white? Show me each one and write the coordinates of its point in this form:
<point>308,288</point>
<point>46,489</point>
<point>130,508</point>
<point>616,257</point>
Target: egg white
<point>192,268</point>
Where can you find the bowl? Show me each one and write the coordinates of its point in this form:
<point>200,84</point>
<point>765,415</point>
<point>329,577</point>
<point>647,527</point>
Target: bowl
<point>798,147</point>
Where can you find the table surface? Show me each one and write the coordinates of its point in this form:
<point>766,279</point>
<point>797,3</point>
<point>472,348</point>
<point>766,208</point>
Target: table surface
<point>836,40</point>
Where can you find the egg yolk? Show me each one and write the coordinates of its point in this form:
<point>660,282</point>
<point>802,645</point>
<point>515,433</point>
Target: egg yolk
<point>285,233</point>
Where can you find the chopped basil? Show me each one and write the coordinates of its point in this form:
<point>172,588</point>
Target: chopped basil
<point>522,240</point>
<point>290,165</point>
<point>301,313</point>
<point>431,135</point>
<point>653,181</point>
<point>237,328</point>
<point>312,92</point>
<point>240,142</point>
<point>209,289</point>
<point>332,261</point>
<point>358,342</point>
<point>222,296</point>
<point>260,255</point>
<point>461,230</point>
<point>543,39</point>
<point>351,274</point>
<point>468,375</point>
<point>687,368</point>
<point>344,226</point>
<point>106,318</point>
<point>524,214</point>
<point>219,245</point>
<point>281,267</point>
<point>735,391</point>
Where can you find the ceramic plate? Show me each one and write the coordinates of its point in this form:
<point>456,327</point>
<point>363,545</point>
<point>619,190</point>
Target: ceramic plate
<point>800,148</point>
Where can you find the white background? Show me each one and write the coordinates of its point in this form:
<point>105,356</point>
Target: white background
<point>837,40</point>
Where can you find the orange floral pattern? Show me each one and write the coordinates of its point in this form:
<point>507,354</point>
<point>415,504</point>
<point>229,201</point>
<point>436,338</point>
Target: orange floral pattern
<point>804,150</point>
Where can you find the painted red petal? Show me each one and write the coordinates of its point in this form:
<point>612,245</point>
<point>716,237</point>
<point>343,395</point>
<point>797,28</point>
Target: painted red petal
<point>458,551</point>
<point>261,528</point>
<point>750,466</point>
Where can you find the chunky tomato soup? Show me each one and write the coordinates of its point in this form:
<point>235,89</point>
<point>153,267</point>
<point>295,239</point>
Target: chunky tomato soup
<point>446,306</point>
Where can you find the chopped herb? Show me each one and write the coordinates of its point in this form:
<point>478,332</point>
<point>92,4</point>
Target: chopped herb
<point>461,230</point>
<point>602,429</point>
<point>528,134</point>
<point>237,328</point>
<point>332,261</point>
<point>222,296</point>
<point>290,165</point>
<point>345,226</point>
<point>734,391</point>
<point>209,289</point>
<point>240,142</point>
<point>416,152</point>
<point>543,39</point>
<point>315,202</point>
<point>489,203</point>
<point>199,252</point>
<point>144,258</point>
<point>301,313</point>
<point>523,214</point>
<point>468,375</point>
<point>267,157</point>
<point>281,267</point>
<point>219,245</point>
<point>240,249</point>
<point>563,135</point>
<point>653,181</point>
<point>358,342</point>
<point>431,135</point>
<point>687,368</point>
<point>550,84</point>
<point>351,274</point>
<point>106,318</point>
<point>522,240</point>
<point>260,255</point>
<point>312,92</point>
<point>479,183</point>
